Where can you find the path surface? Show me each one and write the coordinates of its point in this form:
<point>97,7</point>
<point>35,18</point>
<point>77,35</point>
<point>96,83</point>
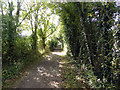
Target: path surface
<point>45,75</point>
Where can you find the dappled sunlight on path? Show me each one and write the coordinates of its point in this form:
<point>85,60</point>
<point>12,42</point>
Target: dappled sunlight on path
<point>47,74</point>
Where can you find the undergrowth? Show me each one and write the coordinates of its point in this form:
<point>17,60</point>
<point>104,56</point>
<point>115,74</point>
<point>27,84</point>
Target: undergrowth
<point>81,75</point>
<point>70,77</point>
<point>14,70</point>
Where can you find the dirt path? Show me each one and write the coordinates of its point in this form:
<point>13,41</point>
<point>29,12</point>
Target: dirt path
<point>45,75</point>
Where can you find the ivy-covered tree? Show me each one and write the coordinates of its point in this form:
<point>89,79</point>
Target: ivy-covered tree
<point>10,24</point>
<point>88,29</point>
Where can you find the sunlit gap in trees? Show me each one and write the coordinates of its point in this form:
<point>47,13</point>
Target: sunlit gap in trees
<point>53,18</point>
<point>55,21</point>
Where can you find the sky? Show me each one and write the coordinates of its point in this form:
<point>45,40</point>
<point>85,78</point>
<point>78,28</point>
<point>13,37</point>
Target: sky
<point>53,19</point>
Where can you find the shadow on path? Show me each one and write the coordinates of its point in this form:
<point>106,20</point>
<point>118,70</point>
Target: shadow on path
<point>47,74</point>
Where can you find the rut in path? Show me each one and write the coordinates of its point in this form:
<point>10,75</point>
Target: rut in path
<point>45,75</point>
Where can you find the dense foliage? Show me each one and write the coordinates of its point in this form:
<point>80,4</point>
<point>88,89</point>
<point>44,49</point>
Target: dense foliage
<point>90,30</point>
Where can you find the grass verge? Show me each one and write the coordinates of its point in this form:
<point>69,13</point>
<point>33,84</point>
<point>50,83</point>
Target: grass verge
<point>70,77</point>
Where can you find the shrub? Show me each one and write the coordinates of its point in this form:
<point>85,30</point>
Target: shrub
<point>52,44</point>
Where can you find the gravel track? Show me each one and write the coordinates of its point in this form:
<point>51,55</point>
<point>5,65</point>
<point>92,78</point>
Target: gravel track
<point>47,73</point>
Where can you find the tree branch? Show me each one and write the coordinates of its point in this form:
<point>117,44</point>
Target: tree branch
<point>26,15</point>
<point>51,33</point>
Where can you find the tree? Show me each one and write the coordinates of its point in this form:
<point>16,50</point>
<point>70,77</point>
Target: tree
<point>46,28</point>
<point>89,34</point>
<point>34,32</point>
<point>10,24</point>
<point>45,32</point>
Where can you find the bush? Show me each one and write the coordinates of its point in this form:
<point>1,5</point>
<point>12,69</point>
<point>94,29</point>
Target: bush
<point>22,48</point>
<point>52,44</point>
<point>22,56</point>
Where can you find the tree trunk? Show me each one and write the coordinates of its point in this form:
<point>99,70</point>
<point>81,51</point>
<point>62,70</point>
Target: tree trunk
<point>44,45</point>
<point>17,14</point>
<point>35,32</point>
<point>10,32</point>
